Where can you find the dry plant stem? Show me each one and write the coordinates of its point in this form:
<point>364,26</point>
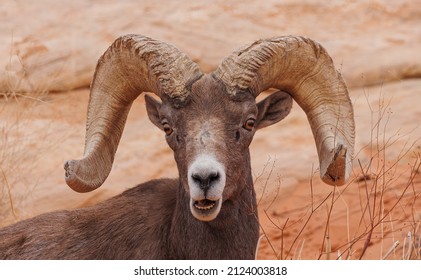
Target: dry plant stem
<point>270,219</point>
<point>265,210</point>
<point>393,234</point>
<point>368,239</point>
<point>282,238</point>
<point>326,233</point>
<point>298,256</point>
<point>267,178</point>
<point>341,191</point>
<point>348,235</point>
<point>403,249</point>
<point>309,217</point>
<point>301,249</point>
<point>410,244</point>
<point>279,255</point>
<point>417,244</point>
<point>258,246</point>
<point>392,248</point>
<point>381,209</point>
<point>367,242</point>
<point>275,197</point>
<point>9,193</point>
<point>328,242</point>
<point>416,221</point>
<point>269,241</point>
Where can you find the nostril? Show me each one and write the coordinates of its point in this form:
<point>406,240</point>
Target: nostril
<point>214,176</point>
<point>197,178</point>
<point>205,180</point>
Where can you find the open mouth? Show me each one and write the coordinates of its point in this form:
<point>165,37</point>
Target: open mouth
<point>205,209</point>
<point>204,204</point>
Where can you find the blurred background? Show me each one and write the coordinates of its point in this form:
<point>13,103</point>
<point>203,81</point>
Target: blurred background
<point>48,53</point>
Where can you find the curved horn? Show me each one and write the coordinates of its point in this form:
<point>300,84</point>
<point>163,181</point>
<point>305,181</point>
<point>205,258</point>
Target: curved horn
<point>131,65</point>
<point>304,69</point>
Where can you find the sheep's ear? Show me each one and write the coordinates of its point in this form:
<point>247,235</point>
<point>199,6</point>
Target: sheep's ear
<point>273,108</point>
<point>152,108</point>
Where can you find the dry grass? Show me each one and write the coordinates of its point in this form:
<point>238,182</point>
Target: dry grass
<point>375,216</point>
<point>18,81</point>
<point>20,148</point>
<point>18,152</point>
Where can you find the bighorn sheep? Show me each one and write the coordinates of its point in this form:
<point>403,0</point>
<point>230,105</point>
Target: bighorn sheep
<point>209,212</point>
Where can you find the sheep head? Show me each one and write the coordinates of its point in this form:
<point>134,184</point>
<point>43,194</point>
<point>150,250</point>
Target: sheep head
<point>209,120</point>
<point>210,135</point>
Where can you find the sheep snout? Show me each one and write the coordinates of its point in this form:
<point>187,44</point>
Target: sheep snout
<point>206,180</point>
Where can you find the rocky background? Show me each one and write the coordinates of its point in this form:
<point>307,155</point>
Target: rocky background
<point>48,52</point>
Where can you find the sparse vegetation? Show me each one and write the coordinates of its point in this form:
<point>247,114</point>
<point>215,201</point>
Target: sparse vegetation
<point>378,211</point>
<point>17,159</point>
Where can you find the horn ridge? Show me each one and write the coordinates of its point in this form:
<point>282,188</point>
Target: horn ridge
<point>131,65</point>
<point>303,68</point>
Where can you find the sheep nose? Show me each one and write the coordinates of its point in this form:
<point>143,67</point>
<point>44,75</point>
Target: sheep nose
<point>206,179</point>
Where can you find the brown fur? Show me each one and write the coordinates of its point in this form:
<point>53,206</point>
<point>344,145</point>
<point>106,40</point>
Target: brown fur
<point>146,222</point>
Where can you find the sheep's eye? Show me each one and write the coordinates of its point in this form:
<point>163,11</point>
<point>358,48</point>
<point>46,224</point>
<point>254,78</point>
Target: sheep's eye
<point>167,129</point>
<point>249,124</point>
